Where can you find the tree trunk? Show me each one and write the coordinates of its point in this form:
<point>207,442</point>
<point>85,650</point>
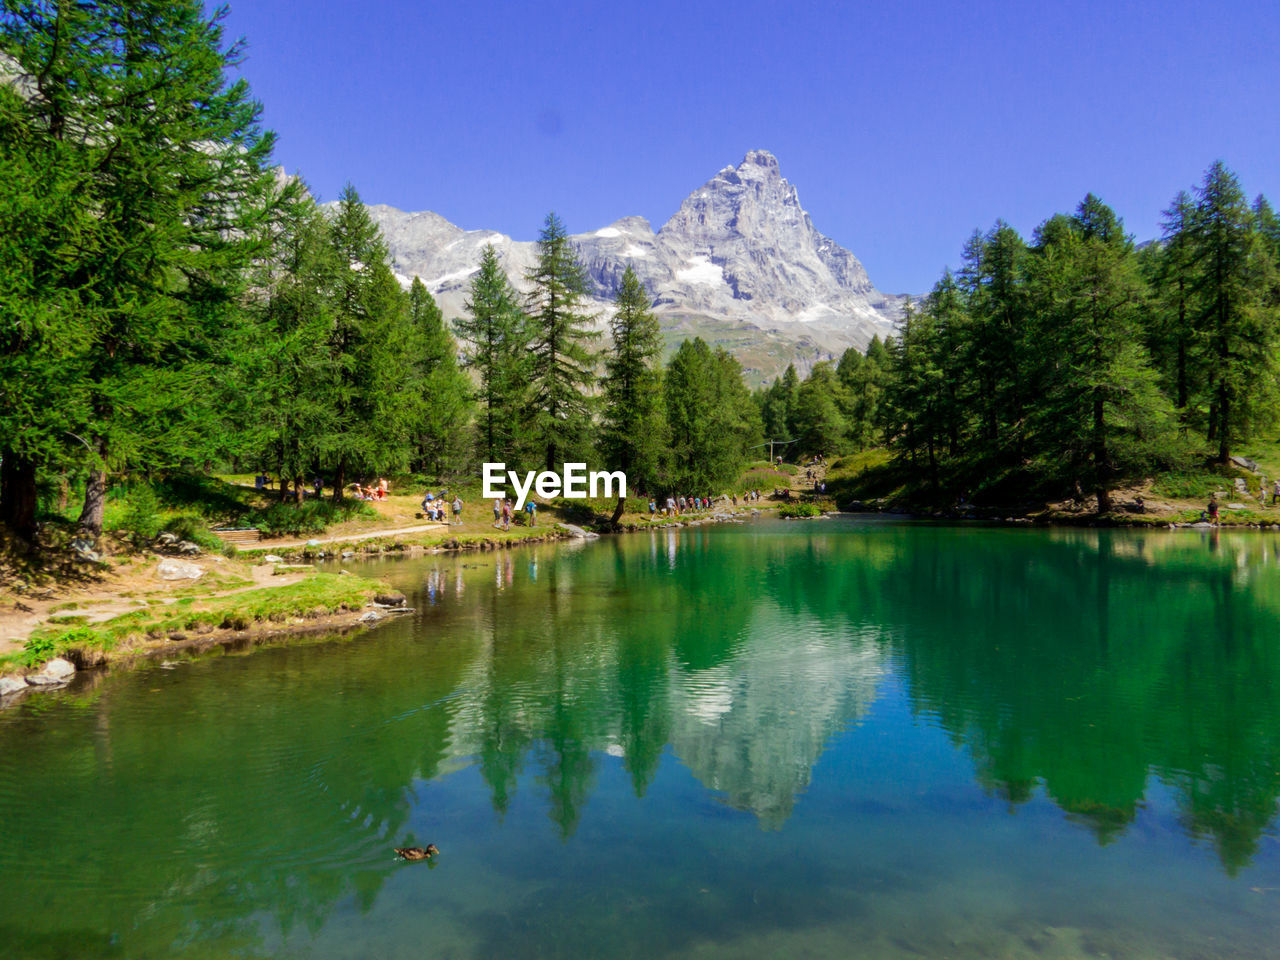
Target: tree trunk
<point>95,494</point>
<point>298,494</point>
<point>339,479</point>
<point>1224,425</point>
<point>617,511</point>
<point>1100,466</point>
<point>18,495</point>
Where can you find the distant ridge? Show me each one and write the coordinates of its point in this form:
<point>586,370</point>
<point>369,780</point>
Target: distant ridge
<point>739,263</point>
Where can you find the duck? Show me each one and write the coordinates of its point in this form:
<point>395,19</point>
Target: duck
<point>418,853</point>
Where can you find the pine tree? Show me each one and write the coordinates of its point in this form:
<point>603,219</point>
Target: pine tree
<point>282,408</point>
<point>446,409</point>
<point>712,419</point>
<point>129,101</point>
<point>822,427</point>
<point>373,344</point>
<point>497,337</point>
<point>562,369</point>
<point>633,432</point>
<point>1100,414</point>
<point>1232,275</point>
<point>1173,329</point>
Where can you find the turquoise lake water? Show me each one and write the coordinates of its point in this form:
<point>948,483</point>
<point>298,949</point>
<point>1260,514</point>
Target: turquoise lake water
<point>838,738</point>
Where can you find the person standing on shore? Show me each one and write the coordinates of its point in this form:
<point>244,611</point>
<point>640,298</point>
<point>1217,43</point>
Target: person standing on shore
<point>1213,509</point>
<point>457,509</point>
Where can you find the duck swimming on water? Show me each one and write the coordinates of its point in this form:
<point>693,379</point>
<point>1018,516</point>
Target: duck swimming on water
<point>418,853</point>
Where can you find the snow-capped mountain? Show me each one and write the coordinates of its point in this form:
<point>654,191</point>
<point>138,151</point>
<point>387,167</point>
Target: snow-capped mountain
<point>740,263</point>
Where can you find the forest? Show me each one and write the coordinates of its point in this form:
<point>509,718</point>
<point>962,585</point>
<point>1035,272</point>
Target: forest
<point>175,303</point>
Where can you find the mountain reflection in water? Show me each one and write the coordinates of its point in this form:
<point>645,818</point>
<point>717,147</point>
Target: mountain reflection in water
<point>806,672</point>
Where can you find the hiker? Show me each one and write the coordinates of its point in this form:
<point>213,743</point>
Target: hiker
<point>1212,510</point>
<point>1275,492</point>
<point>531,508</point>
<point>457,509</point>
<point>1262,488</point>
<point>653,508</point>
<point>318,485</point>
<point>497,511</point>
<point>506,514</point>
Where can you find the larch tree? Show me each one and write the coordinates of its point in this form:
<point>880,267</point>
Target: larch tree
<point>633,432</point>
<point>1232,276</point>
<point>444,421</point>
<point>158,172</point>
<point>562,360</point>
<point>496,335</point>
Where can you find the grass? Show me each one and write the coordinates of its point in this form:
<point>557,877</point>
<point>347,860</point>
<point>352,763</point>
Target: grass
<point>318,595</point>
<point>800,510</point>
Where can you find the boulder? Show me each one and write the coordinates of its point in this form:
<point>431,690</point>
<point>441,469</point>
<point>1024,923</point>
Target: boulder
<point>170,569</point>
<point>578,532</point>
<point>373,616</point>
<point>84,550</point>
<point>348,554</point>
<point>1246,463</point>
<point>54,672</point>
<point>390,599</point>
<point>59,668</point>
<point>10,685</point>
<point>313,543</point>
<point>166,539</point>
<point>272,558</point>
<point>189,549</point>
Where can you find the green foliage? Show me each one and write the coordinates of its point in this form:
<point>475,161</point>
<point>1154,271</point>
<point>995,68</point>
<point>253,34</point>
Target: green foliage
<point>498,335</point>
<point>151,172</point>
<point>796,511</point>
<point>1076,364</point>
<point>562,363</point>
<point>713,421</point>
<point>141,516</point>
<point>634,430</point>
<point>308,517</point>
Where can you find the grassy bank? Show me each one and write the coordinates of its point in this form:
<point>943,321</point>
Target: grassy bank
<point>174,619</point>
<point>875,480</point>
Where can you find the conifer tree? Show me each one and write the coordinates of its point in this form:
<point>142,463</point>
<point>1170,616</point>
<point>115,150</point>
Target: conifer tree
<point>563,364</point>
<point>822,427</point>
<point>712,419</point>
<point>1232,275</point>
<point>1177,346</point>
<point>444,422</point>
<point>633,432</point>
<point>497,336</point>
<point>375,348</point>
<point>1100,413</point>
<point>130,103</point>
<point>282,407</point>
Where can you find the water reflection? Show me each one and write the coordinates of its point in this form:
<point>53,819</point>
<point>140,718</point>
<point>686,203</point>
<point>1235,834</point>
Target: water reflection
<point>1087,667</point>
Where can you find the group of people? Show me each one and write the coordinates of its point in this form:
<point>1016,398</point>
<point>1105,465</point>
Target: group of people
<point>377,491</point>
<point>435,504</point>
<point>677,505</point>
<point>504,512</point>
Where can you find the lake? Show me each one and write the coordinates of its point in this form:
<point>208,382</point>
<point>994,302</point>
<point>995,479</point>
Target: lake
<point>837,738</point>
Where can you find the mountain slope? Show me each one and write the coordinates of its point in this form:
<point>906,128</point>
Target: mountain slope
<point>740,263</point>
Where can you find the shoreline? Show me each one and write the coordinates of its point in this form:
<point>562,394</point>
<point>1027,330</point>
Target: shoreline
<point>276,627</point>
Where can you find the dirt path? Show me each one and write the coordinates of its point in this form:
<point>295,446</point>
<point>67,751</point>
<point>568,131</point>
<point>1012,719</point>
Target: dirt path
<point>347,538</point>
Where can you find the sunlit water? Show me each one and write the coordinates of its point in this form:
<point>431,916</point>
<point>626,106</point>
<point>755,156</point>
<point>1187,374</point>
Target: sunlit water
<point>841,738</point>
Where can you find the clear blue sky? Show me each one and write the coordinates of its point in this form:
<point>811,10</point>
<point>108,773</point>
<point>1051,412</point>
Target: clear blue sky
<point>904,125</point>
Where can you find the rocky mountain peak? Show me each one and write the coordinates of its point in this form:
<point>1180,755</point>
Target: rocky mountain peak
<point>739,263</point>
